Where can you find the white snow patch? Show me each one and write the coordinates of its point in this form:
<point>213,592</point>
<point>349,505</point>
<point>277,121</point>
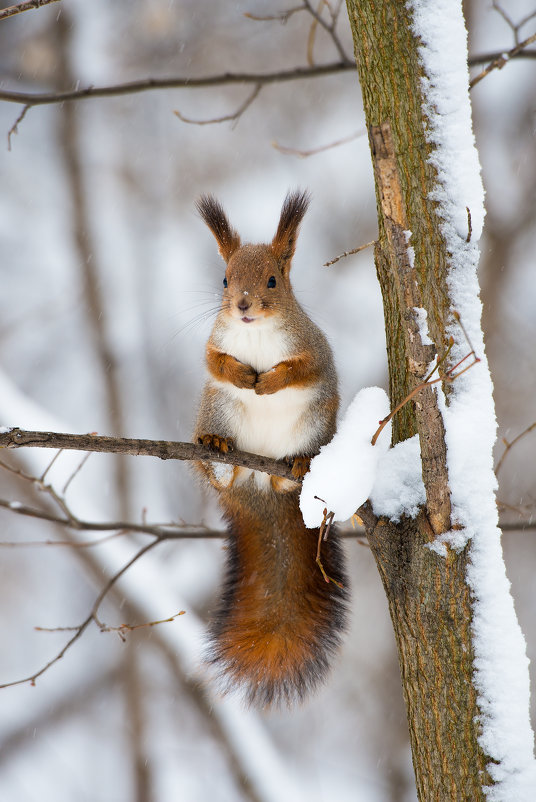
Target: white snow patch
<point>501,665</point>
<point>399,489</point>
<point>421,319</point>
<point>410,248</point>
<point>343,473</point>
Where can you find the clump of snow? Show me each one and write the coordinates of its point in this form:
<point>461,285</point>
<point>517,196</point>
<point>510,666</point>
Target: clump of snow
<point>343,473</point>
<point>399,489</point>
<point>421,319</point>
<point>501,666</point>
<point>410,249</point>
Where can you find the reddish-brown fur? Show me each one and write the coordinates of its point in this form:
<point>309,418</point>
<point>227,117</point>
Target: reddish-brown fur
<point>278,621</point>
<point>227,368</point>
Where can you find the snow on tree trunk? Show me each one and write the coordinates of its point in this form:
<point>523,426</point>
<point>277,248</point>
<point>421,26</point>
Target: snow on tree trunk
<point>462,655</point>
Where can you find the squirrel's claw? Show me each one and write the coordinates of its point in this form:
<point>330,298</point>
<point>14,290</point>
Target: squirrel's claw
<point>299,466</point>
<point>217,443</point>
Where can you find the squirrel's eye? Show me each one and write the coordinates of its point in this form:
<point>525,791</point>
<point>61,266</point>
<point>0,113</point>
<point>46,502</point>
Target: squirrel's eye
<point>271,282</point>
<point>225,283</point>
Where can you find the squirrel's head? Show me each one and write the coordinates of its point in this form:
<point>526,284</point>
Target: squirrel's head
<point>257,282</point>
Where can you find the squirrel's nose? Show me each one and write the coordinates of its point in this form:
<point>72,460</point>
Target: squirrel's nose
<point>243,304</point>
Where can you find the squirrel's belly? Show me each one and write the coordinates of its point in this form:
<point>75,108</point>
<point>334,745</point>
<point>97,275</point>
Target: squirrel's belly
<point>276,425</point>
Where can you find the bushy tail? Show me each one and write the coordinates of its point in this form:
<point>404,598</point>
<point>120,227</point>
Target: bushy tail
<point>279,621</point>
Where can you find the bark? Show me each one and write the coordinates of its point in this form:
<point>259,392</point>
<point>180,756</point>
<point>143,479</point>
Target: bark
<point>429,599</point>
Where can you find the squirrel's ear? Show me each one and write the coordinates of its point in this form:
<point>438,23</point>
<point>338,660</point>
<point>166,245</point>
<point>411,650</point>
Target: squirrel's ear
<point>284,242</point>
<point>212,213</point>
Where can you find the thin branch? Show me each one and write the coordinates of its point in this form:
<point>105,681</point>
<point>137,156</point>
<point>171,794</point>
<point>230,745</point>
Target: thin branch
<point>509,445</point>
<point>329,28</point>
<point>163,449</point>
<point>499,62</point>
<point>312,35</point>
<point>515,27</point>
<point>81,628</point>
<point>484,58</point>
<point>149,84</point>
<point>448,376</point>
<point>123,628</point>
<point>519,526</point>
<point>282,17</point>
<point>10,11</point>
<point>15,127</point>
<point>161,531</point>
<point>349,253</point>
<point>304,154</point>
<point>228,117</point>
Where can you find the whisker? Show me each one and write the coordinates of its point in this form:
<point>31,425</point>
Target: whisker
<point>197,320</point>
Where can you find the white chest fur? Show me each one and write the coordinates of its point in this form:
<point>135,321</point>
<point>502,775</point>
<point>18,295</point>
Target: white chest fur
<point>276,425</point>
<point>261,344</point>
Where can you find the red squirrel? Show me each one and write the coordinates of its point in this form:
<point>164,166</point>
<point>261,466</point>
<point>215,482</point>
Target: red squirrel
<point>271,390</point>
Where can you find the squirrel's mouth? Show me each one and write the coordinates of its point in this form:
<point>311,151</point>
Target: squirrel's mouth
<point>247,319</point>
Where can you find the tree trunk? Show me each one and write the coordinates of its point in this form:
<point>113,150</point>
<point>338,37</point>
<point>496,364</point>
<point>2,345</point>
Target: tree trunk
<point>429,597</point>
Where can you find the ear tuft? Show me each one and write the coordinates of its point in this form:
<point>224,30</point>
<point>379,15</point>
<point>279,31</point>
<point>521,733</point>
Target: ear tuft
<point>284,242</point>
<point>212,213</point>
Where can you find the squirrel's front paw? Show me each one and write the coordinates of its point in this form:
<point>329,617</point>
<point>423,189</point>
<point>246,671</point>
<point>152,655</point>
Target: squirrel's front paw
<point>244,377</point>
<point>269,382</point>
<point>216,443</point>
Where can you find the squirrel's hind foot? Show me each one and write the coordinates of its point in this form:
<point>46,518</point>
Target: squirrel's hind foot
<point>216,443</point>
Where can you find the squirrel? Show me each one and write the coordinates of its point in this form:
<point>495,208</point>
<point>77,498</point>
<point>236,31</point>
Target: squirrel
<point>271,390</point>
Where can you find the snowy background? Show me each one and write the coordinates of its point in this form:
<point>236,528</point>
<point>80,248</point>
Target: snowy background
<point>102,197</point>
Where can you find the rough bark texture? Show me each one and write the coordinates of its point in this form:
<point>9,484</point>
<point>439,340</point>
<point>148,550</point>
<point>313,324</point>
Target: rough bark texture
<point>428,596</point>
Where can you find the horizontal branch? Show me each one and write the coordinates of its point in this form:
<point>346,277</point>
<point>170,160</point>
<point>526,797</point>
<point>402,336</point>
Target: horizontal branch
<point>503,58</point>
<point>148,84</point>
<point>224,79</point>
<point>160,531</point>
<point>10,11</point>
<point>162,449</point>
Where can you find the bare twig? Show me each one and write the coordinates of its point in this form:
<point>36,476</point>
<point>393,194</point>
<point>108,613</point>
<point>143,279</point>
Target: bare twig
<point>484,58</point>
<point>304,154</point>
<point>510,444</point>
<point>518,526</point>
<point>75,472</point>
<point>81,628</point>
<point>160,531</point>
<point>228,117</point>
<point>282,17</point>
<point>514,26</point>
<point>329,27</point>
<point>499,62</point>
<point>122,628</point>
<point>10,11</point>
<point>15,127</point>
<point>323,534</point>
<point>150,84</point>
<point>349,253</point>
<point>469,225</point>
<point>450,375</point>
